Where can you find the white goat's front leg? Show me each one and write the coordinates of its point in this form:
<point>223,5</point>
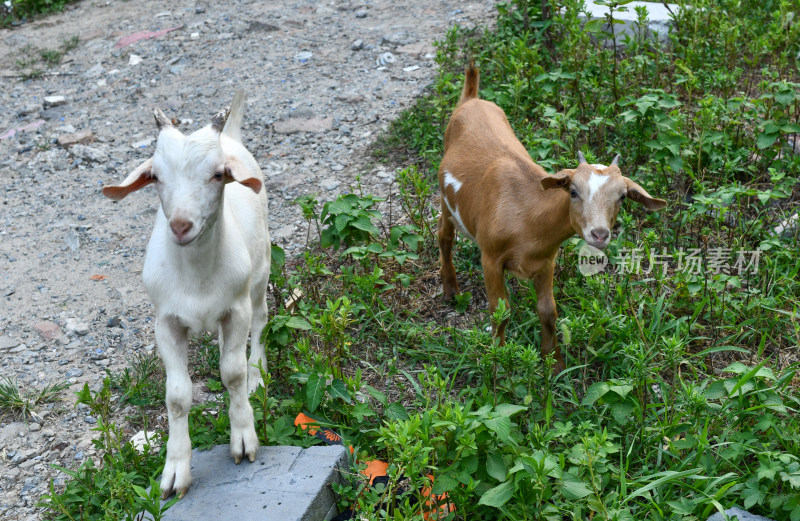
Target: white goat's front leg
<point>257,349</point>
<point>233,366</point>
<point>173,345</point>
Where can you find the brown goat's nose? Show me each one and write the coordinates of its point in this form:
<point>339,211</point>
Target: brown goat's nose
<point>600,234</point>
<point>180,227</point>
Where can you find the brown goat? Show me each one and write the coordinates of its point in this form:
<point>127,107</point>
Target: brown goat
<point>494,194</point>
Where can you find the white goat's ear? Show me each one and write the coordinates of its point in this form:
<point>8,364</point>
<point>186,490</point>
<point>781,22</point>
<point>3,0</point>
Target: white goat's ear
<point>560,179</point>
<point>640,195</point>
<point>138,179</point>
<point>236,171</point>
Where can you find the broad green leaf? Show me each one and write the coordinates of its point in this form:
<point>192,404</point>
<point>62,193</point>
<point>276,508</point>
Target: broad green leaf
<point>501,426</point>
<point>594,26</point>
<point>595,392</point>
<point>507,409</point>
<point>495,466</point>
<point>315,389</point>
<point>573,488</point>
<point>766,140</point>
<point>298,323</point>
<point>396,411</point>
<point>444,483</point>
<point>498,496</point>
<point>339,390</point>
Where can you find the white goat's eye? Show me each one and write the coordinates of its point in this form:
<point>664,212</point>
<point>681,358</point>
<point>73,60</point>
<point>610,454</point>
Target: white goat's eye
<point>218,176</point>
<point>154,177</point>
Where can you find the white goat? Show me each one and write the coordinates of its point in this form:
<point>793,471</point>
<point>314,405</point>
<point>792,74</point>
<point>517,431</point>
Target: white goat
<point>207,267</point>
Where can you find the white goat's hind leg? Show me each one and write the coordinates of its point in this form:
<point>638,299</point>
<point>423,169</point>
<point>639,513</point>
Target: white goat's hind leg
<point>233,366</point>
<point>173,346</point>
<point>257,349</point>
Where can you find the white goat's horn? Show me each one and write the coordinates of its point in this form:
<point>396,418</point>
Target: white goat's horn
<point>581,158</point>
<point>615,162</point>
<point>219,119</point>
<point>161,120</point>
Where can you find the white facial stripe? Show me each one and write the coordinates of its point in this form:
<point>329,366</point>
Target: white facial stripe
<point>457,216</point>
<point>599,166</point>
<point>595,182</point>
<point>450,180</point>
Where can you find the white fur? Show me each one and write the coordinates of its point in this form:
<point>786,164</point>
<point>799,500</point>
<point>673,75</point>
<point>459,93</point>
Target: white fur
<point>457,219</point>
<point>596,181</point>
<point>216,280</point>
<point>450,180</point>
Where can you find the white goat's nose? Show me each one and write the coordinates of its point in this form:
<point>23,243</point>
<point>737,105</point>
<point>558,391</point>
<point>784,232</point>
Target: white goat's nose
<point>180,226</point>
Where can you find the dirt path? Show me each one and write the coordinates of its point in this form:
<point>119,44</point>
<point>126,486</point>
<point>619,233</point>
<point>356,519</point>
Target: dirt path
<point>72,303</point>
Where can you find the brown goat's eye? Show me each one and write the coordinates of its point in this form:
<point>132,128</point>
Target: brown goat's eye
<point>622,198</point>
<point>573,193</point>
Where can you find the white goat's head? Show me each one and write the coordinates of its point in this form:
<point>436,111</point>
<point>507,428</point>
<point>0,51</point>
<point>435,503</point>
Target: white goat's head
<point>596,193</point>
<point>189,173</point>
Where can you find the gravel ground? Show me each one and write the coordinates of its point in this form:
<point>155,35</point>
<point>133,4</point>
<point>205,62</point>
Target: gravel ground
<point>70,260</point>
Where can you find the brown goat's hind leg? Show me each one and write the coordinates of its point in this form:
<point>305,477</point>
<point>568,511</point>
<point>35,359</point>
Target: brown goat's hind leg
<point>447,234</point>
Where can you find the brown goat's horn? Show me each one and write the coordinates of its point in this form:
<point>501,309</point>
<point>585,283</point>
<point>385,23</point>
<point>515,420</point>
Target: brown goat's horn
<point>581,158</point>
<point>615,162</point>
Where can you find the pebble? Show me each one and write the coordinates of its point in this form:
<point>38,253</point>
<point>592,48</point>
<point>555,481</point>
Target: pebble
<point>47,330</point>
<point>74,373</point>
<point>34,427</point>
<point>54,101</point>
<point>78,455</point>
<point>357,45</point>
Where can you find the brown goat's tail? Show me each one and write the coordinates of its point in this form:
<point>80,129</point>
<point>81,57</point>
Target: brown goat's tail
<point>471,80</point>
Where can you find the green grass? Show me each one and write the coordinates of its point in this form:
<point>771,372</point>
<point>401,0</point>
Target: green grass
<point>19,403</point>
<point>681,395</point>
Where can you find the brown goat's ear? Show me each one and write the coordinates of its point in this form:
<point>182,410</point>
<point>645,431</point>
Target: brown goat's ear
<point>640,195</point>
<point>236,171</point>
<point>560,179</point>
<point>136,180</point>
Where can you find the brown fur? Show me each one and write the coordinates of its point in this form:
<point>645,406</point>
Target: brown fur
<point>508,204</point>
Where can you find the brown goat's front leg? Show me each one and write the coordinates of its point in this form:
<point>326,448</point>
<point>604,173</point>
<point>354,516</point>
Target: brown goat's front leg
<point>447,234</point>
<point>493,276</point>
<point>546,309</point>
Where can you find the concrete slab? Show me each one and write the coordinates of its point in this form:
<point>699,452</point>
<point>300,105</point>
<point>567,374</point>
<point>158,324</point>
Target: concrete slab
<point>658,25</point>
<point>282,484</point>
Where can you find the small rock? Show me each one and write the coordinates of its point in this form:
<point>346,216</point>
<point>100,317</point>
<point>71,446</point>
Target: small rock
<point>113,322</point>
<point>386,59</point>
<point>89,153</point>
<point>90,419</point>
<point>47,330</point>
<point>199,9</point>
<point>54,101</point>
<point>294,125</point>
<point>82,137</point>
<point>7,343</point>
<point>95,71</point>
<point>78,455</point>
<point>134,60</point>
<point>143,143</point>
<point>357,45</point>
<point>72,240</point>
<point>34,427</point>
<point>283,232</point>
<point>303,56</point>
<point>74,373</point>
<point>329,184</point>
<point>361,13</point>
<point>20,348</point>
<point>73,325</point>
<point>142,438</point>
